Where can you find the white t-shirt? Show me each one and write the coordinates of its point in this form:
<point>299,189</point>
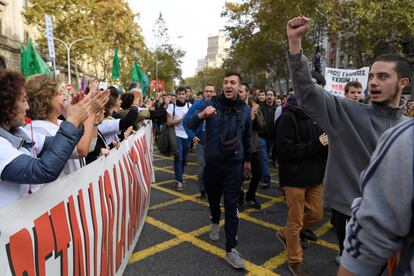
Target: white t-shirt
<point>110,129</point>
<point>9,191</point>
<point>180,112</point>
<point>47,128</point>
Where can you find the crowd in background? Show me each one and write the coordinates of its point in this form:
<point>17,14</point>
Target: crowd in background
<point>320,143</point>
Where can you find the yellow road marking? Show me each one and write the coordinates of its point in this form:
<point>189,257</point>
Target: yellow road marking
<point>253,269</point>
<point>276,261</point>
<point>189,237</point>
<point>267,204</point>
<point>186,176</point>
<point>138,256</point>
<point>165,168</point>
<point>168,203</point>
<point>184,196</point>
<point>163,157</point>
<point>259,221</point>
<point>163,182</point>
<point>323,229</point>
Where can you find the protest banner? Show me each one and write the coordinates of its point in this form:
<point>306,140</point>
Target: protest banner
<point>86,223</point>
<point>336,79</point>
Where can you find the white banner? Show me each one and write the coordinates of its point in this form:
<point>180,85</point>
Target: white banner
<point>336,79</point>
<point>86,223</point>
<point>49,36</point>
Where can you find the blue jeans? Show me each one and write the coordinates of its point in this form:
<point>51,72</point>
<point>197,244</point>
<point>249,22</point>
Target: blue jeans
<point>201,163</point>
<point>183,146</point>
<point>264,150</point>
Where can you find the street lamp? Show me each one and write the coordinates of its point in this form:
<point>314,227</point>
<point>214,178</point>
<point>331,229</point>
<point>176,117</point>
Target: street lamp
<point>68,46</point>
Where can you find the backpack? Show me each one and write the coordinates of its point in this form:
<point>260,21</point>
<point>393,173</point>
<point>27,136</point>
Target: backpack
<point>167,143</point>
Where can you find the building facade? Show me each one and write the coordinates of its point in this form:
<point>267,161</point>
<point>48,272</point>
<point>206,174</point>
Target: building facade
<point>13,32</point>
<point>216,52</point>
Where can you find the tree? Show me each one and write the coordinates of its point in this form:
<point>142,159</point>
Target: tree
<point>370,28</point>
<point>169,58</point>
<point>257,29</point>
<point>208,75</point>
<point>109,22</point>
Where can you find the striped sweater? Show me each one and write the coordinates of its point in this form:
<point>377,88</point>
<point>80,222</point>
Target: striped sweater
<point>382,219</point>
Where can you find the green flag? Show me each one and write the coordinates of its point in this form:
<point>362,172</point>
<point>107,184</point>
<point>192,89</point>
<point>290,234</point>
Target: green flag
<point>116,67</point>
<point>138,76</point>
<point>33,62</point>
<point>135,76</point>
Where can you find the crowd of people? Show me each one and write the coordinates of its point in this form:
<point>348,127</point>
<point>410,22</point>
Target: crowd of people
<point>341,154</point>
<point>321,144</point>
<point>45,134</point>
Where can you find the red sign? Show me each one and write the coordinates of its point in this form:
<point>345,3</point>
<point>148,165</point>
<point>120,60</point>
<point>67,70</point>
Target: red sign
<point>69,87</point>
<point>161,85</point>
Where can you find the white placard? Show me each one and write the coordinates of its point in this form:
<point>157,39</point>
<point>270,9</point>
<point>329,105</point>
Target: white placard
<point>336,79</point>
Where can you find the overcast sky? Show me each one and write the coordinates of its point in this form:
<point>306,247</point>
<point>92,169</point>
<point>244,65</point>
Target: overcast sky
<point>194,20</point>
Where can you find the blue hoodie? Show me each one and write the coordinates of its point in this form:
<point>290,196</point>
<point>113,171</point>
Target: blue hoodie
<point>199,131</point>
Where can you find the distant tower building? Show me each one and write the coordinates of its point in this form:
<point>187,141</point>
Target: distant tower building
<point>216,52</point>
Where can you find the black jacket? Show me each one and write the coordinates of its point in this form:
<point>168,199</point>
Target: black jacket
<point>225,124</point>
<point>302,158</point>
<point>268,132</point>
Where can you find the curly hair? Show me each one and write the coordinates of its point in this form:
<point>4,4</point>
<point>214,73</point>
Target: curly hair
<point>40,91</point>
<point>11,88</point>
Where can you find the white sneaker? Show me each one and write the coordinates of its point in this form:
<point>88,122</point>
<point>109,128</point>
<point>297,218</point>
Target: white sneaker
<point>214,232</point>
<point>179,186</point>
<point>338,259</point>
<point>234,259</point>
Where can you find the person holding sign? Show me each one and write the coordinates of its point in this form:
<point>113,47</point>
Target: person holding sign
<point>353,91</point>
<point>353,128</point>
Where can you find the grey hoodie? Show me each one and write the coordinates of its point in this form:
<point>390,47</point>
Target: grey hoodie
<point>353,130</point>
<point>382,220</point>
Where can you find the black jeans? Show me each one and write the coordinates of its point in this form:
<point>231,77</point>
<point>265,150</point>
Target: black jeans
<point>224,178</point>
<point>339,220</point>
<point>256,175</point>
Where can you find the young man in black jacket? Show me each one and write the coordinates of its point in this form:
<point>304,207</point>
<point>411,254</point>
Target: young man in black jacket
<point>267,135</point>
<point>227,151</point>
<point>302,150</point>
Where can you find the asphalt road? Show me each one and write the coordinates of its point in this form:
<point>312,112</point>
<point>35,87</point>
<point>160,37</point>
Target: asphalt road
<point>174,240</point>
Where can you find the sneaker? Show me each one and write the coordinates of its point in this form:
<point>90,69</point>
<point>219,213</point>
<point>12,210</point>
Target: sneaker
<point>309,235</point>
<point>265,186</point>
<point>179,186</point>
<point>282,240</point>
<point>234,259</point>
<point>214,232</point>
<point>297,269</point>
<point>304,243</point>
<point>254,204</point>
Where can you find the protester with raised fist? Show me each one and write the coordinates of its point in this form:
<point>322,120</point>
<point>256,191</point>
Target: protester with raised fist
<point>353,128</point>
